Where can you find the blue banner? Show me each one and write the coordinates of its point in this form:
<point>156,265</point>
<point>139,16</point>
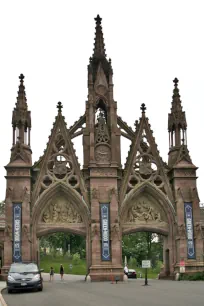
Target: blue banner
<point>189,230</point>
<point>105,235</point>
<point>17,208</point>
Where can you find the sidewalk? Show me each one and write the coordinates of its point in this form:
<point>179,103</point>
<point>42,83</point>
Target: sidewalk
<point>2,285</point>
<point>67,277</point>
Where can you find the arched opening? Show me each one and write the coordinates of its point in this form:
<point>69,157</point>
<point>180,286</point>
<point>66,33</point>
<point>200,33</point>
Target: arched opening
<point>139,246</point>
<point>60,209</point>
<point>63,248</point>
<point>146,209</point>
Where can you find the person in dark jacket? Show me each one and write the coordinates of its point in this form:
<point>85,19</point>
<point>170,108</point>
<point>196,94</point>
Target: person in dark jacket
<point>62,272</point>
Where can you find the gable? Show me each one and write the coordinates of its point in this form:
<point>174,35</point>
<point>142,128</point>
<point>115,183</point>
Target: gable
<point>144,163</point>
<point>59,163</point>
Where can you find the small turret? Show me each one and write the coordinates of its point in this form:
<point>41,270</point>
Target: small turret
<point>21,120</point>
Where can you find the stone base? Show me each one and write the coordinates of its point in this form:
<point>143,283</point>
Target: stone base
<point>191,267</point>
<point>106,273</point>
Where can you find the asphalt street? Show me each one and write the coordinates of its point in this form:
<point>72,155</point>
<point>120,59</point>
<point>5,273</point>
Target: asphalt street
<point>78,292</point>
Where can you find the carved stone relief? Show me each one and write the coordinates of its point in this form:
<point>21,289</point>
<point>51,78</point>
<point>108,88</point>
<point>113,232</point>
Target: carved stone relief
<point>198,231</point>
<point>182,231</point>
<point>26,232</point>
<point>144,212</point>
<point>94,193</point>
<point>8,232</point>
<point>61,213</point>
<point>26,194</point>
<point>115,231</point>
<point>103,153</point>
<point>113,191</point>
<point>95,231</point>
<point>9,193</point>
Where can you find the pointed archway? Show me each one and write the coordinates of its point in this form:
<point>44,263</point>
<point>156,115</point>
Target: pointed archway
<point>146,208</point>
<point>60,209</point>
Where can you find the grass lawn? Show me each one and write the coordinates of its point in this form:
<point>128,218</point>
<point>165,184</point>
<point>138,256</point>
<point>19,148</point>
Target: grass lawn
<point>47,261</point>
<point>151,273</point>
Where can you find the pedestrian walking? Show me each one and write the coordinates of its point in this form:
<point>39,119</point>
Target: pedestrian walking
<point>51,274</point>
<point>126,270</point>
<point>62,272</point>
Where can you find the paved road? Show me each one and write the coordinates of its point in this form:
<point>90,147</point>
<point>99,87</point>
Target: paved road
<point>78,293</point>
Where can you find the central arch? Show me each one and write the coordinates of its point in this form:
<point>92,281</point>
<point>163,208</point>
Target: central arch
<point>60,209</point>
<point>147,208</point>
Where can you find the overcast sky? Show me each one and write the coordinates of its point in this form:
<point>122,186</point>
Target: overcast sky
<point>150,43</point>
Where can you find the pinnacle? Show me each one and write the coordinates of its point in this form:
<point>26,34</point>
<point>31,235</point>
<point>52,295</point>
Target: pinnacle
<point>21,99</point>
<point>99,46</point>
<point>176,103</point>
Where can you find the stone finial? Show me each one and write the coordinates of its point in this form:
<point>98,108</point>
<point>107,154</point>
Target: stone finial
<point>21,77</point>
<point>143,108</point>
<point>175,82</point>
<point>99,46</point>
<point>59,106</point>
<point>98,19</point>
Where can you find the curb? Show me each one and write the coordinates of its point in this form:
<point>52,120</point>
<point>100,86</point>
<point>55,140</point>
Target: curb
<point>2,301</point>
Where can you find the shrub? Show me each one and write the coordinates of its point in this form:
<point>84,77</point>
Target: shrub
<point>192,277</point>
<point>76,259</point>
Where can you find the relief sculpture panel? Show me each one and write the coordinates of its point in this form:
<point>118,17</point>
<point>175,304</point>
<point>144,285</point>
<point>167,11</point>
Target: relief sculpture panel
<point>61,212</point>
<point>144,212</point>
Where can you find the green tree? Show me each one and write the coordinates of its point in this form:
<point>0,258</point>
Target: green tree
<point>142,245</point>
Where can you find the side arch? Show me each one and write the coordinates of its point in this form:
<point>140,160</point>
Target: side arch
<point>72,195</point>
<point>144,204</point>
<point>40,228</point>
<point>147,188</point>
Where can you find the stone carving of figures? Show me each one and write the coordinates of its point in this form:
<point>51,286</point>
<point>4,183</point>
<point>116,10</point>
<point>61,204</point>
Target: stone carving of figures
<point>26,194</point>
<point>182,231</point>
<point>9,193</point>
<point>63,216</point>
<point>58,213</point>
<point>26,232</point>
<point>8,231</point>
<point>55,213</point>
<point>94,231</point>
<point>112,191</point>
<point>144,213</point>
<point>198,230</point>
<point>94,193</point>
<point>115,231</point>
<point>46,217</point>
<point>157,217</point>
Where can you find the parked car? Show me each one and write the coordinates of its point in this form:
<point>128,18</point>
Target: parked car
<point>132,273</point>
<point>24,276</point>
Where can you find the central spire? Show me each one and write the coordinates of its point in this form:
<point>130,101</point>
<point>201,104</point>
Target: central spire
<point>99,46</point>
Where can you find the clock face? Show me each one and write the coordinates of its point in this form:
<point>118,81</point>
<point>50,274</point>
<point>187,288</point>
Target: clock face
<point>102,154</point>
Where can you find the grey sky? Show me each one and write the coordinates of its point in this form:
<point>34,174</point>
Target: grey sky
<point>150,43</point>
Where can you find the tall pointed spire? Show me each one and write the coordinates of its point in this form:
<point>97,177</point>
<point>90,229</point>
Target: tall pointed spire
<point>176,103</point>
<point>21,99</point>
<point>99,56</point>
<point>177,124</point>
<point>99,46</point>
<point>21,119</point>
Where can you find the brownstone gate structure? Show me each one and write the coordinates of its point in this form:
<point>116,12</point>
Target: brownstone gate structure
<point>103,200</point>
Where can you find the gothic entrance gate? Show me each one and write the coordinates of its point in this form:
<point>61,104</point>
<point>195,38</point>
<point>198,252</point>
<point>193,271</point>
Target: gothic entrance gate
<point>102,200</point>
